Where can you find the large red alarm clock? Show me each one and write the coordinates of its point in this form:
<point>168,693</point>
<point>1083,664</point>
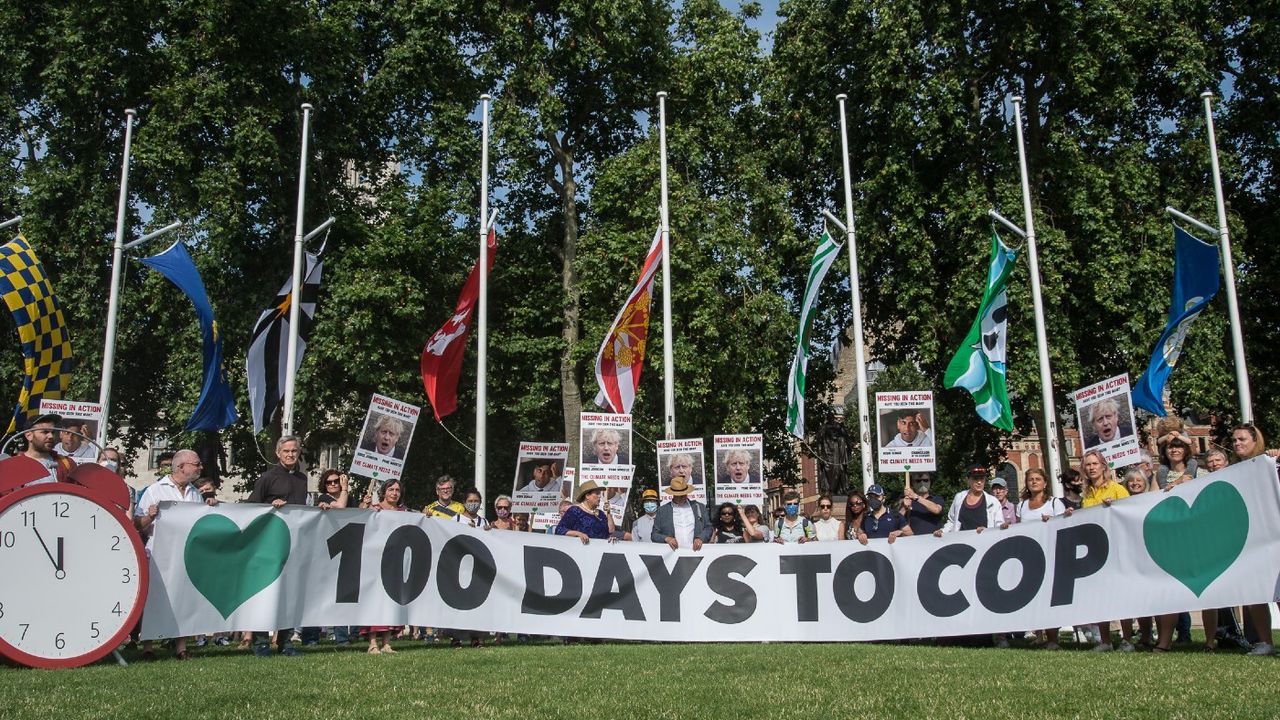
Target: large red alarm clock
<point>73,572</point>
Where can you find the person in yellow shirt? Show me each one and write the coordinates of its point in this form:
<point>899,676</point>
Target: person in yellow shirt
<point>445,507</point>
<point>1100,486</point>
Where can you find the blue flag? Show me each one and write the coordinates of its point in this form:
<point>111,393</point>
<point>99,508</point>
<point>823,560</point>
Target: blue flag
<point>1195,282</point>
<point>216,408</point>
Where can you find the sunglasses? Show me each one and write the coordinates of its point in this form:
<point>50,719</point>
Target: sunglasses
<point>825,507</point>
<point>727,513</point>
<point>503,507</point>
<point>857,503</point>
<point>332,482</point>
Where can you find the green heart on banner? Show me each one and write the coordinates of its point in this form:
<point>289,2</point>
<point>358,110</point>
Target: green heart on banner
<point>1195,544</point>
<point>229,565</point>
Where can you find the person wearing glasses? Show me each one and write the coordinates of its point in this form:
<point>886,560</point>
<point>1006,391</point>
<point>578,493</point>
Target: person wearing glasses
<point>793,527</point>
<point>333,490</point>
<point>503,519</point>
<point>826,527</point>
<point>855,509</point>
<point>178,486</point>
<point>729,527</point>
<point>879,521</point>
<point>922,509</point>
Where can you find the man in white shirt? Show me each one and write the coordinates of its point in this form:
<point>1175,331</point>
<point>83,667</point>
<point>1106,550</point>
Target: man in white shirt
<point>913,430</point>
<point>681,522</point>
<point>178,486</point>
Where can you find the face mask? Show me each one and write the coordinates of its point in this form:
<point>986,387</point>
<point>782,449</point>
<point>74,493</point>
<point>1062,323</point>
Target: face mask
<point>875,505</point>
<point>651,507</point>
<point>922,488</point>
<point>110,465</point>
<point>792,509</point>
<point>503,512</point>
<point>472,507</point>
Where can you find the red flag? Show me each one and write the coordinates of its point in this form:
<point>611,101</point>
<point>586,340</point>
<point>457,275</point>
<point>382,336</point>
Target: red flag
<point>442,355</point>
<point>621,355</point>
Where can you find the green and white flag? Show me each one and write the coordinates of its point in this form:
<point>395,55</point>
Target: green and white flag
<point>826,254</point>
<point>979,365</point>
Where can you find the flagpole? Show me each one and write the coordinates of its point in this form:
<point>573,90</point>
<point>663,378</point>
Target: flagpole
<point>859,354</point>
<point>668,361</point>
<point>1228,268</point>
<point>113,302</point>
<point>1042,340</point>
<point>295,303</point>
<point>482,324</point>
<point>10,222</point>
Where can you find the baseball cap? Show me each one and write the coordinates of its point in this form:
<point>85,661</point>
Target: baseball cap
<point>1000,482</point>
<point>875,490</point>
<point>649,494</point>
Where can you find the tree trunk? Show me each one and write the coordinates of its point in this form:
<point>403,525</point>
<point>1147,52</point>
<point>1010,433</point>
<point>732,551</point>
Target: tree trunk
<point>570,388</point>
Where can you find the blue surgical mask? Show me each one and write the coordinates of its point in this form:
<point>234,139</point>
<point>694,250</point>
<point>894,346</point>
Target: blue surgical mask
<point>109,464</point>
<point>650,507</point>
<point>792,509</point>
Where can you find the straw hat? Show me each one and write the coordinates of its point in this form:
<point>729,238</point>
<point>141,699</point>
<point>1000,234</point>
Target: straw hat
<point>585,488</point>
<point>679,487</point>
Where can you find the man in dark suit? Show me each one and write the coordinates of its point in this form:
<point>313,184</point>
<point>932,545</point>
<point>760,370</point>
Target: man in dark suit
<point>682,522</point>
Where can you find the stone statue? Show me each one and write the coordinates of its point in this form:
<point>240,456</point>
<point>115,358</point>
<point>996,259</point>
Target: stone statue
<point>833,459</point>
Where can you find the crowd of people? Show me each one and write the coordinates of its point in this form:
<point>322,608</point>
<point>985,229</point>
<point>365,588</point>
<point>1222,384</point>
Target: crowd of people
<point>684,522</point>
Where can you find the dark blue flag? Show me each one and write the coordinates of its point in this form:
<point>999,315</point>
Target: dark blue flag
<point>216,408</point>
<point>1195,282</point>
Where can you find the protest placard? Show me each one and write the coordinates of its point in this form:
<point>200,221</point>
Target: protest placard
<point>604,440</point>
<point>905,423</point>
<point>739,469</point>
<point>384,440</point>
<point>1105,414</point>
<point>538,476</point>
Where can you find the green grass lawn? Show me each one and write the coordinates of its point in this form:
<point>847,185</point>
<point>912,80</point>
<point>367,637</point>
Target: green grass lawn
<point>732,681</point>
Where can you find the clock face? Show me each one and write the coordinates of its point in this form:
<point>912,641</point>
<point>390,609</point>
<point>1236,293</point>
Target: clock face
<point>74,576</point>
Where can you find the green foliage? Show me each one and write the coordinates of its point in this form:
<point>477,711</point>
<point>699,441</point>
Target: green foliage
<point>1115,132</point>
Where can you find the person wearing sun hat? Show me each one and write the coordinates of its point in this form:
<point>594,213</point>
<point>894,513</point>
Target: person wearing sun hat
<point>682,523</point>
<point>586,520</point>
<point>642,527</point>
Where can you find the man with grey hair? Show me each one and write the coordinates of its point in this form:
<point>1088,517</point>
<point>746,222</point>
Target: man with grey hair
<point>178,486</point>
<point>280,485</point>
<point>386,437</point>
<point>605,445</point>
<point>1105,424</point>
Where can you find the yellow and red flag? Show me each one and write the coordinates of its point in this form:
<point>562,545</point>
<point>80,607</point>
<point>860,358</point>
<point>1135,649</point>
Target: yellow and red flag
<point>621,355</point>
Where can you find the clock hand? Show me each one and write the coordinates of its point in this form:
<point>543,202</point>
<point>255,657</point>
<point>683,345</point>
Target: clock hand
<point>57,564</point>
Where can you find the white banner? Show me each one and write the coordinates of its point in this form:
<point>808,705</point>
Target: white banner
<point>1105,415</point>
<point>905,423</point>
<point>384,440</point>
<point>1210,543</point>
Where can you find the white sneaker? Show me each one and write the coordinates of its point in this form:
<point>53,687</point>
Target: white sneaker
<point>1102,647</point>
<point>1125,646</point>
<point>1263,649</point>
<point>1051,646</point>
